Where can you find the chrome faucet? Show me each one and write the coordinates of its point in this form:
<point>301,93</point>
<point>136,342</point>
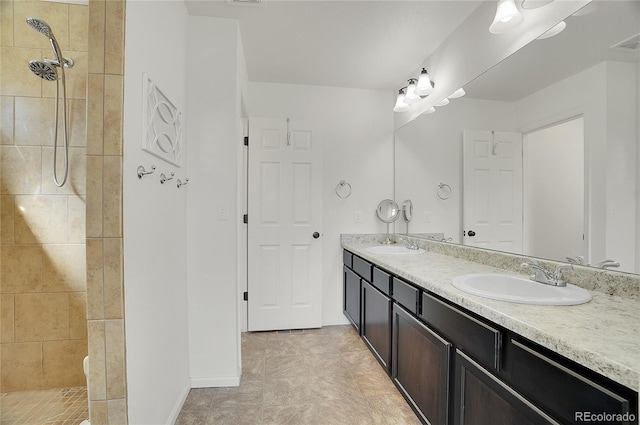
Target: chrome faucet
<point>541,275</point>
<point>579,260</point>
<point>408,243</point>
<point>606,263</point>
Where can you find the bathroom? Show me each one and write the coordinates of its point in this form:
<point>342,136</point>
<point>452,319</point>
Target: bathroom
<point>173,249</point>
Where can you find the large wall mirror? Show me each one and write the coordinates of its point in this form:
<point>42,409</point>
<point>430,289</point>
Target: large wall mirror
<point>542,155</point>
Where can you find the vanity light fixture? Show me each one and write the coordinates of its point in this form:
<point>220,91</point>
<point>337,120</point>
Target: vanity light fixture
<point>401,105</point>
<point>554,31</point>
<point>425,85</point>
<point>507,17</point>
<point>411,96</point>
<point>443,102</point>
<point>458,93</point>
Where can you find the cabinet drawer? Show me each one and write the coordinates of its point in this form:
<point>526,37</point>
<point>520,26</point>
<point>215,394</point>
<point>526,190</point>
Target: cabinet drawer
<point>347,258</point>
<point>362,267</point>
<point>406,295</point>
<point>562,391</point>
<point>464,331</point>
<point>382,281</point>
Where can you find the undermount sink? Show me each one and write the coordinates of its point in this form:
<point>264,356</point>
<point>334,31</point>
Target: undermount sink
<point>394,250</point>
<point>520,289</point>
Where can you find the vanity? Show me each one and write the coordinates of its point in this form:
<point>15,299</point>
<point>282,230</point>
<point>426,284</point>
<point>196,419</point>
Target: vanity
<point>460,359</point>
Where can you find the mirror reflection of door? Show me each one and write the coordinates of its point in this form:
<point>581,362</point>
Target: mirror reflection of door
<point>554,206</point>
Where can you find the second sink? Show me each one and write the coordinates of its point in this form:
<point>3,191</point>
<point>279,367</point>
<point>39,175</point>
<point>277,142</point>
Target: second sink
<point>520,289</point>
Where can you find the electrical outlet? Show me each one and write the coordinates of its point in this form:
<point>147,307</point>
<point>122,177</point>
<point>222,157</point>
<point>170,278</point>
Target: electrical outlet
<point>357,216</point>
<point>427,216</point>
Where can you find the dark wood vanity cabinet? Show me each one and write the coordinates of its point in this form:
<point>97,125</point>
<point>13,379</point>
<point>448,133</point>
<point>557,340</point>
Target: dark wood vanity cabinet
<point>483,399</point>
<point>376,323</point>
<point>421,367</point>
<point>457,368</point>
<point>351,302</point>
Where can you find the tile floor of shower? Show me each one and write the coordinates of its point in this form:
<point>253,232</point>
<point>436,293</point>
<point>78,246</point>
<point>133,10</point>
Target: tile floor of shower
<point>58,406</point>
<point>314,377</point>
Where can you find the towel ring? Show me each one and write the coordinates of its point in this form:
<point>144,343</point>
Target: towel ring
<point>343,189</point>
<point>444,191</point>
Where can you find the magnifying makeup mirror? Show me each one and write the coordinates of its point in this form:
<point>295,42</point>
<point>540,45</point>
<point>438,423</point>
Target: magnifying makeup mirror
<point>407,212</point>
<point>388,212</point>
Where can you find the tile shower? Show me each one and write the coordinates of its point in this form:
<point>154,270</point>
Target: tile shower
<point>94,37</point>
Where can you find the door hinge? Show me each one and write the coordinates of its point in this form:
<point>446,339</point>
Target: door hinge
<point>246,140</point>
<point>245,218</point>
<point>245,296</point>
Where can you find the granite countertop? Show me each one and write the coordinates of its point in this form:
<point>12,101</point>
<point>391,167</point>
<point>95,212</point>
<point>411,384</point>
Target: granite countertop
<point>601,335</point>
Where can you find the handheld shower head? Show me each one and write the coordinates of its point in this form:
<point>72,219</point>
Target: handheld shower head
<point>40,26</point>
<point>44,70</point>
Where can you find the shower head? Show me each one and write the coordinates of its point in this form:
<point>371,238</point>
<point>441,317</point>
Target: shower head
<point>45,70</point>
<point>40,26</point>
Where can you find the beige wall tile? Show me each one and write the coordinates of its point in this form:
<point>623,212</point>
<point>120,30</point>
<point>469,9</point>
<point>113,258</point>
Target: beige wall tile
<point>78,315</point>
<point>6,318</point>
<point>7,220</point>
<point>97,370</point>
<point>77,122</point>
<point>95,295</point>
<point>113,114</point>
<point>94,196</point>
<point>114,38</point>
<point>41,219</point>
<point>21,367</point>
<point>62,363</point>
<point>51,321</point>
<point>34,124</point>
<point>112,197</point>
<point>95,114</point>
<point>21,170</point>
<point>99,414</point>
<point>116,383</point>
<point>76,77</point>
<point>117,411</point>
<point>97,21</point>
<point>17,80</point>
<point>113,307</point>
<point>21,268</point>
<point>76,220</point>
<point>54,14</point>
<point>6,118</point>
<point>78,26</point>
<point>6,23</point>
<point>64,268</point>
<point>76,181</point>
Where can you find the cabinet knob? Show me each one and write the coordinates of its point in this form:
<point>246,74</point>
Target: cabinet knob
<point>471,233</point>
<point>316,235</point>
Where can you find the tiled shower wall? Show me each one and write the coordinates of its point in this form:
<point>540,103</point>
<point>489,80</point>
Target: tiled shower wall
<point>43,332</point>
<point>105,307</point>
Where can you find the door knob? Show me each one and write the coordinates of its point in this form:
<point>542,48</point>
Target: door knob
<point>471,233</point>
<point>316,235</point>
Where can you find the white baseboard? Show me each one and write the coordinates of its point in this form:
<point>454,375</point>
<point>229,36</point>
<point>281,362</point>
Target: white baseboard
<point>223,381</point>
<point>178,407</point>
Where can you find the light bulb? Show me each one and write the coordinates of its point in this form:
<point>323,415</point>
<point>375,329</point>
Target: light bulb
<point>401,105</point>
<point>411,96</point>
<point>425,86</point>
<point>557,29</point>
<point>507,17</point>
<point>431,110</point>
<point>443,102</point>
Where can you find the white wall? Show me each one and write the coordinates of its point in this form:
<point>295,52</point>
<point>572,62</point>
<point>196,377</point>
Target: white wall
<point>609,114</point>
<point>429,152</point>
<point>155,284</point>
<point>357,128</point>
<point>215,75</point>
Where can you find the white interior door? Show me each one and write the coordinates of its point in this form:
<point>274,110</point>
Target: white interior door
<point>284,227</point>
<point>492,200</point>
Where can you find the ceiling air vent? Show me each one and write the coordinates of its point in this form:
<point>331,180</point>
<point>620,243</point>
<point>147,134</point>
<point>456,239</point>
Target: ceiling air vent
<point>630,44</point>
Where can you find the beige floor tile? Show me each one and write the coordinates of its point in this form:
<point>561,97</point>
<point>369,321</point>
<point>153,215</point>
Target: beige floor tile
<point>245,414</point>
<point>252,368</point>
<point>249,392</point>
<point>291,390</point>
<point>295,414</point>
<point>199,400</point>
<point>341,412</point>
<point>284,366</point>
<point>391,409</point>
<point>189,418</point>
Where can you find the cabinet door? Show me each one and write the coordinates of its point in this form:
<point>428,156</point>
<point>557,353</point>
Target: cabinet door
<point>352,297</point>
<point>482,399</point>
<point>421,367</point>
<point>376,323</point>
